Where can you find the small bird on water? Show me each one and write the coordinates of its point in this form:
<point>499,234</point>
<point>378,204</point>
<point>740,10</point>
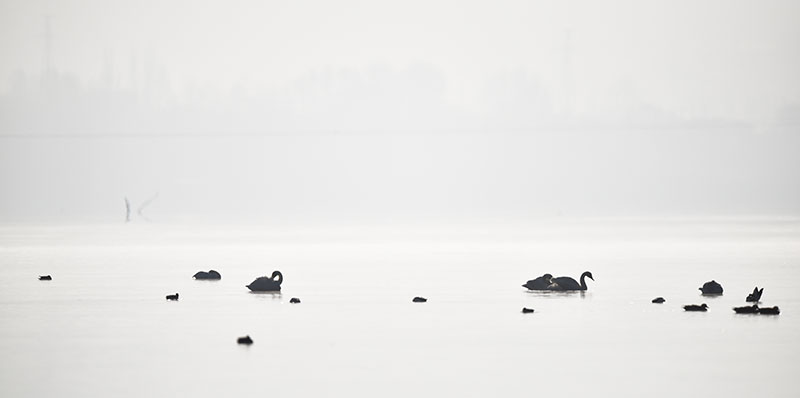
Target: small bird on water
<point>173,297</point>
<point>658,300</point>
<point>419,300</point>
<point>45,278</point>
<point>526,310</point>
<point>750,309</point>
<point>694,307</point>
<point>769,311</point>
<point>245,340</point>
<point>295,300</point>
<point>755,296</point>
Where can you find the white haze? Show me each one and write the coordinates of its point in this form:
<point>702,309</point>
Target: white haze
<point>348,111</point>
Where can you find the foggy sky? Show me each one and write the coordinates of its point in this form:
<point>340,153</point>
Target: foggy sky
<point>337,110</point>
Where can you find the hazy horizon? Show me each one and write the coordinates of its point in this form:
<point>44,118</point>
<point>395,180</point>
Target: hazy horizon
<point>353,111</point>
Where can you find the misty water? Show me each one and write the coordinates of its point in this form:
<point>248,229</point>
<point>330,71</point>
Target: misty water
<point>102,326</point>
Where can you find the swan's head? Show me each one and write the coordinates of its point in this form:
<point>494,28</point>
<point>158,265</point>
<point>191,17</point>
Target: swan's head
<point>547,277</point>
<point>588,275</point>
<point>704,305</point>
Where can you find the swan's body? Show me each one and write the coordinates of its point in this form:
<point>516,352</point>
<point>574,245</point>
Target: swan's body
<point>567,283</point>
<point>694,307</point>
<point>541,283</point>
<point>267,284</point>
<point>755,296</point>
<point>210,275</point>
<point>750,309</point>
<point>711,288</point>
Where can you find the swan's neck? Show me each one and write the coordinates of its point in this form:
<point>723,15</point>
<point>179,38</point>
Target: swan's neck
<point>583,282</point>
<point>278,278</point>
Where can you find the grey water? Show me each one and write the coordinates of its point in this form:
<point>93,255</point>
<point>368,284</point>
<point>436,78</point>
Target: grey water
<point>102,326</point>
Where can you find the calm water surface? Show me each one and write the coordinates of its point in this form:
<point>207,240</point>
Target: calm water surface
<point>102,327</point>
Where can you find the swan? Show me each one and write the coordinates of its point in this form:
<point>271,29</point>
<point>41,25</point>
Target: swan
<point>267,284</point>
<point>173,297</point>
<point>694,307</point>
<point>750,309</point>
<point>755,296</point>
<point>711,288</point>
<point>540,283</point>
<point>245,340</point>
<point>567,283</point>
<point>210,275</point>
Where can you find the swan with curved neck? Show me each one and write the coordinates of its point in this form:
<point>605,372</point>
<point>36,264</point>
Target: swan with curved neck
<point>267,284</point>
<point>567,283</point>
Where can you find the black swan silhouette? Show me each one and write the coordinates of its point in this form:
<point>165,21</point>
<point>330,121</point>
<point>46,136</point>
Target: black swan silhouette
<point>755,296</point>
<point>711,288</point>
<point>540,283</point>
<point>694,307</point>
<point>566,283</point>
<point>210,275</point>
<point>267,284</point>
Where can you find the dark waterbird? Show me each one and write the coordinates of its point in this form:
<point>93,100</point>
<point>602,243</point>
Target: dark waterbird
<point>419,300</point>
<point>540,283</point>
<point>755,296</point>
<point>750,309</point>
<point>694,307</point>
<point>295,300</point>
<point>563,283</point>
<point>658,300</point>
<point>769,311</point>
<point>711,288</point>
<point>45,278</point>
<point>173,297</point>
<point>210,275</point>
<point>245,340</point>
<point>526,310</point>
<point>267,284</point>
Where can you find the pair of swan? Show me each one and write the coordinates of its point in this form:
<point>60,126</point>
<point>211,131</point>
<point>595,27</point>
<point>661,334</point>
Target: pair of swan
<point>562,283</point>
